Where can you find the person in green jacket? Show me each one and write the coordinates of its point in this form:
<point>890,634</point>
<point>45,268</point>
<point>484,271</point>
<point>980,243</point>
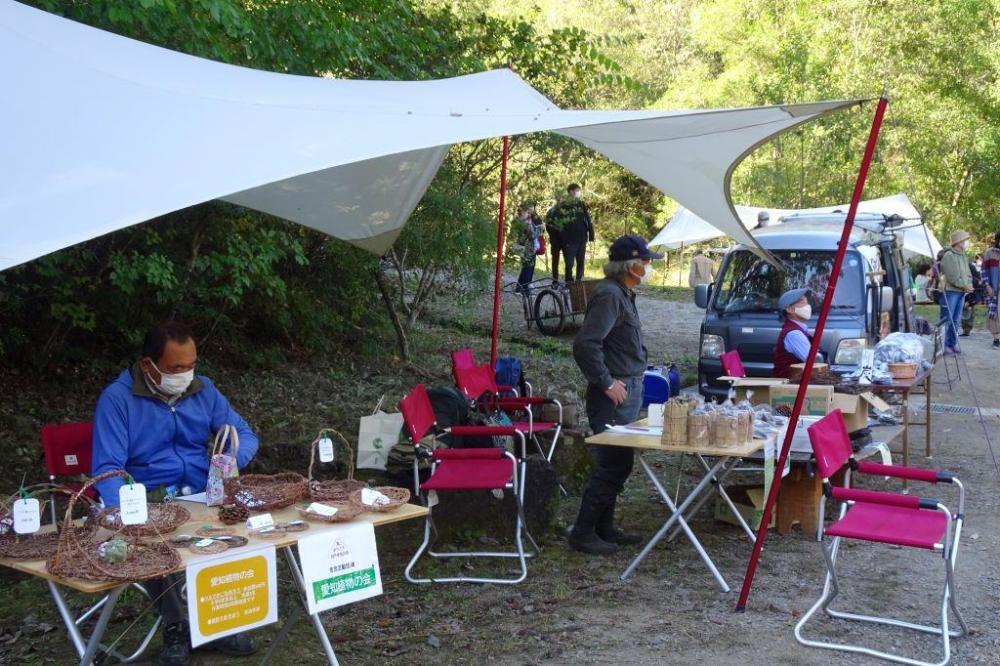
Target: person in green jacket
<point>956,282</point>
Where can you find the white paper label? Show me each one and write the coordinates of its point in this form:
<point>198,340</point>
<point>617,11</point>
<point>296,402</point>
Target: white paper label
<point>27,516</point>
<point>325,450</point>
<point>432,499</point>
<point>260,521</point>
<point>204,543</point>
<point>340,566</point>
<point>132,502</point>
<point>322,509</point>
<point>373,497</point>
<point>70,460</point>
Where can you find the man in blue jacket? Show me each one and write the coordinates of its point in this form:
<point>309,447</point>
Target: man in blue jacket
<point>155,421</point>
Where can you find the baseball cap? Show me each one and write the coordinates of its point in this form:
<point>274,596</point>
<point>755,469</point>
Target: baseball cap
<point>631,247</point>
<point>792,296</point>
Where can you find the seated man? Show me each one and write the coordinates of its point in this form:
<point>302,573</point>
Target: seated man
<point>155,421</point>
<point>794,339</point>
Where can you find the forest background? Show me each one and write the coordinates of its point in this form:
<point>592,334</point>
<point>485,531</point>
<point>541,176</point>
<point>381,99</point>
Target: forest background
<point>262,291</point>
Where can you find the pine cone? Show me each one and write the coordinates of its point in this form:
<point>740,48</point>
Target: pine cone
<point>231,514</point>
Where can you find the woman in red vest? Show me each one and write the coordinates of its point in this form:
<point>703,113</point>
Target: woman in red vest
<point>794,339</point>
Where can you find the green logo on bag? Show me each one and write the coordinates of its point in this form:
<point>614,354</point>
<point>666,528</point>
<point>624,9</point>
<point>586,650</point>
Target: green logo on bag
<point>377,443</point>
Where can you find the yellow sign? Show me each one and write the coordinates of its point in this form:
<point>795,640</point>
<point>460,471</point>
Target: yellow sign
<point>230,594</point>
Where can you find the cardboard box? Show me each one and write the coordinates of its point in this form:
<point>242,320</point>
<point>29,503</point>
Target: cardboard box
<point>749,502</point>
<point>818,401</point>
<point>854,408</point>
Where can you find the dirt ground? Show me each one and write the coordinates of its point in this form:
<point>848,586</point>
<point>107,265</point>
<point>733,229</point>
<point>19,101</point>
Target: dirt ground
<point>574,608</point>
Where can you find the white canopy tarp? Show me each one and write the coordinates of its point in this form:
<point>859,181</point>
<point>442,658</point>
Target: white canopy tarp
<point>103,132</point>
<point>687,228</point>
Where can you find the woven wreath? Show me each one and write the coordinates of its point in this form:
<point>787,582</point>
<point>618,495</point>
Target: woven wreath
<point>345,512</point>
<point>164,518</point>
<point>333,491</point>
<point>41,545</point>
<point>397,498</point>
<point>77,557</point>
<point>265,492</point>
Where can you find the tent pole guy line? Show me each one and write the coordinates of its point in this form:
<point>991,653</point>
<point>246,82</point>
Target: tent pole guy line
<point>859,187</point>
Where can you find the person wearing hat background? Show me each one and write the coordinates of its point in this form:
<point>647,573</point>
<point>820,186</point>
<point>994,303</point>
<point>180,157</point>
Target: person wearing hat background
<point>794,340</point>
<point>991,278</point>
<point>610,352</point>
<point>956,282</point>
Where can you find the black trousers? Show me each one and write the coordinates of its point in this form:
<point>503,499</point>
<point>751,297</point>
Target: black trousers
<point>614,463</point>
<point>576,254</point>
<point>556,250</point>
<point>166,595</point>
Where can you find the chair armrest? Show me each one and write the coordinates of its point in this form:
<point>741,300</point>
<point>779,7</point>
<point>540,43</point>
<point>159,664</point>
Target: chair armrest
<point>911,473</point>
<point>885,499</point>
<point>523,401</point>
<point>473,430</point>
<point>489,453</point>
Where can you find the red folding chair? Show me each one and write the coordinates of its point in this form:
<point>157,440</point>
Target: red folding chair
<point>479,386</point>
<point>68,450</point>
<point>868,515</point>
<point>463,359</point>
<point>732,365</point>
<point>487,469</point>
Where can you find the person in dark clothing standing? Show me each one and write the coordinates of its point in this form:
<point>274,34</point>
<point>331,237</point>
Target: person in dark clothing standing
<point>529,238</point>
<point>577,230</point>
<point>610,352</point>
<point>554,228</point>
<point>972,299</point>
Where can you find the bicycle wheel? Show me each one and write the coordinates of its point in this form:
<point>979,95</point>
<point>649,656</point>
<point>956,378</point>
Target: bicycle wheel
<point>550,315</point>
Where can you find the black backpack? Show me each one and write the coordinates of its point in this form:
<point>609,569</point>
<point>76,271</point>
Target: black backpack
<point>451,408</point>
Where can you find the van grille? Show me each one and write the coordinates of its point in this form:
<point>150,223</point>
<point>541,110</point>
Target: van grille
<point>756,352</point>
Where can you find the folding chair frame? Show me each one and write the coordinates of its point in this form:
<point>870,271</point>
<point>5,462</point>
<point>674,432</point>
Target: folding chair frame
<point>516,486</point>
<point>831,588</point>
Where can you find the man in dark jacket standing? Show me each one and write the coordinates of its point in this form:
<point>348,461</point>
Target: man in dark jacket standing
<point>575,228</point>
<point>611,354</point>
<point>155,422</point>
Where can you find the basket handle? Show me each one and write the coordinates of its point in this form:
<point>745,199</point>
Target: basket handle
<point>315,445</point>
<point>226,434</point>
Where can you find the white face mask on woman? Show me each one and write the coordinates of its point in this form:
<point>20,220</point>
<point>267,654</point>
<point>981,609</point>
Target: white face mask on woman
<point>173,384</point>
<point>804,311</point>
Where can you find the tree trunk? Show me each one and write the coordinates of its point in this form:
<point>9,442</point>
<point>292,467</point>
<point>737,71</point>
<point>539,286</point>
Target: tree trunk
<point>397,324</point>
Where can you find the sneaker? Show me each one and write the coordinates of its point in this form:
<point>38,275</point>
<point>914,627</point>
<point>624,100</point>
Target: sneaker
<point>592,545</point>
<point>622,538</point>
<point>176,650</point>
<point>950,352</point>
<point>996,344</point>
<point>964,335</point>
<point>237,645</point>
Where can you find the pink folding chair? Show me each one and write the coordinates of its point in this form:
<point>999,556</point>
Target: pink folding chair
<point>487,469</point>
<point>67,448</point>
<point>868,515</point>
<point>732,365</point>
<point>478,385</point>
<point>464,360</point>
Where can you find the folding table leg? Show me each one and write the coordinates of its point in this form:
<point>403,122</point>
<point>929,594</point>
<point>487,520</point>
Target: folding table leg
<point>286,626</point>
<point>717,482</point>
<point>94,642</point>
<point>317,622</point>
<point>678,516</point>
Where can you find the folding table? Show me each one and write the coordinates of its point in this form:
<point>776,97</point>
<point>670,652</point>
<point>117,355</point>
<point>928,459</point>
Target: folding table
<point>905,387</point>
<point>727,458</point>
<point>89,646</point>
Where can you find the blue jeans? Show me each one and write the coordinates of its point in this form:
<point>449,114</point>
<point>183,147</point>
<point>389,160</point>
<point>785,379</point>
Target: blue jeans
<point>614,463</point>
<point>951,309</point>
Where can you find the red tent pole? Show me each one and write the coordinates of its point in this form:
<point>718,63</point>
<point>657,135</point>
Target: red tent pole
<point>772,496</point>
<point>501,228</point>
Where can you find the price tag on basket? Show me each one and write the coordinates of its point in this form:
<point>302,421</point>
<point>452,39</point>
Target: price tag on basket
<point>322,509</point>
<point>373,497</point>
<point>132,504</point>
<point>260,521</point>
<point>27,515</point>
<point>325,446</point>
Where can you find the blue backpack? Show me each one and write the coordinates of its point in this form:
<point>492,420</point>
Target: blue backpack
<point>508,372</point>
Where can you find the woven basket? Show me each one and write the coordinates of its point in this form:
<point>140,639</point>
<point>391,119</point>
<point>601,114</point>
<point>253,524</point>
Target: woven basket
<point>345,513</point>
<point>338,492</point>
<point>397,498</point>
<point>820,374</point>
<point>42,545</point>
<point>164,518</point>
<point>903,370</point>
<point>264,492</point>
<point>77,557</point>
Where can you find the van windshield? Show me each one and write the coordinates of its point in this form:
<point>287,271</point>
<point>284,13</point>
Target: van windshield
<point>750,284</point>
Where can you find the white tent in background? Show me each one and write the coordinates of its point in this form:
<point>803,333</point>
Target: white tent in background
<point>687,228</point>
<point>104,132</point>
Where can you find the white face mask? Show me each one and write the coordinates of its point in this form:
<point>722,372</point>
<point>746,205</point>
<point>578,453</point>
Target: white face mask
<point>804,311</point>
<point>644,278</point>
<point>174,384</point>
